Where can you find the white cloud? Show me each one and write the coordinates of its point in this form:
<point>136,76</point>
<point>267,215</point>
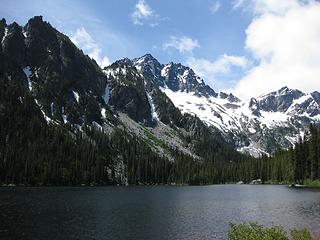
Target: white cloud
<point>211,70</point>
<point>238,3</point>
<point>85,42</point>
<point>215,7</point>
<point>183,44</point>
<point>284,39</point>
<point>143,13</point>
<point>265,6</point>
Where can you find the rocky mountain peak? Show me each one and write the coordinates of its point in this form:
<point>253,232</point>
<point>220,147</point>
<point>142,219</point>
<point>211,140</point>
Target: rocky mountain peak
<point>148,58</point>
<point>283,90</point>
<point>3,25</point>
<point>121,63</point>
<point>150,67</point>
<point>35,21</point>
<point>174,76</point>
<point>230,97</point>
<point>279,100</point>
<point>3,21</point>
<point>13,45</point>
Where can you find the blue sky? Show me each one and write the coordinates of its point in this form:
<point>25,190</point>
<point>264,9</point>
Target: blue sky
<point>209,35</point>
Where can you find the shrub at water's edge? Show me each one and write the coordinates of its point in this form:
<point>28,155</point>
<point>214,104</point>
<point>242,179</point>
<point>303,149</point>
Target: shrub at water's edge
<point>312,183</point>
<point>254,231</point>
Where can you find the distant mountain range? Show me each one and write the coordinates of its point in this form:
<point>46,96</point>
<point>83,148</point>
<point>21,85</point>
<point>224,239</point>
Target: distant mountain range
<point>260,125</point>
<point>166,105</point>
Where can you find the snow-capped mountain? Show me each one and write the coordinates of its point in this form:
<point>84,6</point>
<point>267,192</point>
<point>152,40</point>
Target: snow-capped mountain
<point>260,125</point>
<point>130,121</point>
<point>46,81</point>
<point>167,104</point>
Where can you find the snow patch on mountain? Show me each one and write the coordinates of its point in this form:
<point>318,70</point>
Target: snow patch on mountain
<point>301,100</point>
<point>209,109</point>
<point>64,118</point>
<point>271,119</point>
<point>253,149</point>
<point>154,113</point>
<point>24,32</point>
<point>165,70</point>
<point>103,112</point>
<point>47,118</point>
<point>106,95</point>
<point>76,96</point>
<point>27,72</point>
<point>5,35</point>
<point>109,72</point>
<point>244,118</point>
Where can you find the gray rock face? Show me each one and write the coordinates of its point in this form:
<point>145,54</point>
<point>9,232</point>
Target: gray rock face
<point>127,91</point>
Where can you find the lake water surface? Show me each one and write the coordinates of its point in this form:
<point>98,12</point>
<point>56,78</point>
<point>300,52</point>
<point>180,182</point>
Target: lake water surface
<point>159,212</point>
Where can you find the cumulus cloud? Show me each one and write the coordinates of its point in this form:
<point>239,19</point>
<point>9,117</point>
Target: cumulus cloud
<point>215,7</point>
<point>283,38</point>
<point>143,13</point>
<point>183,44</point>
<point>210,70</point>
<point>85,42</point>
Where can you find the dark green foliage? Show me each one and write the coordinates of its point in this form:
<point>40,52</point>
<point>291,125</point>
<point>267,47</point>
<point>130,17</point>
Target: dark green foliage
<point>302,234</point>
<point>314,153</point>
<point>299,164</point>
<point>302,162</point>
<point>253,231</point>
